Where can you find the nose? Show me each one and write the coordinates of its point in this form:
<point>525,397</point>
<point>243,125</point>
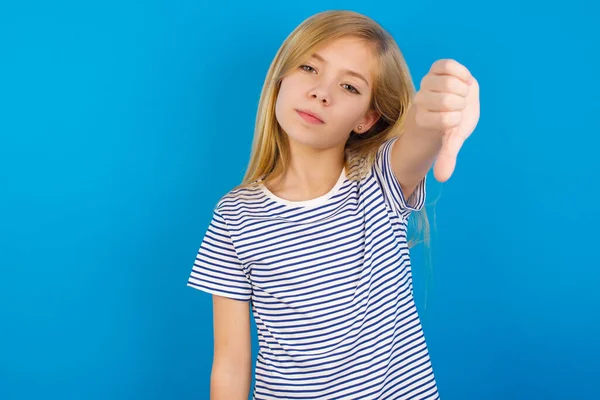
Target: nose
<point>321,94</point>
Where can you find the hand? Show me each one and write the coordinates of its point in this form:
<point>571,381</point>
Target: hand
<point>448,103</point>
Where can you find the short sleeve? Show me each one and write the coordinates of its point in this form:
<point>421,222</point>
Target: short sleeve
<point>382,169</point>
<point>217,268</point>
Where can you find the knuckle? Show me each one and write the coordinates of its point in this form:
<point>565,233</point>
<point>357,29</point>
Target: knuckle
<point>446,63</point>
<point>448,83</point>
<point>450,119</point>
<point>445,120</point>
<point>446,101</point>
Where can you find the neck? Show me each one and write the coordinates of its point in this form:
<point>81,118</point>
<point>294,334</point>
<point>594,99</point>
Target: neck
<point>311,172</point>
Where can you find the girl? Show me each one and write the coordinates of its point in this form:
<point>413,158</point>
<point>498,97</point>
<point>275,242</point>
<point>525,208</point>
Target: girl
<point>315,239</point>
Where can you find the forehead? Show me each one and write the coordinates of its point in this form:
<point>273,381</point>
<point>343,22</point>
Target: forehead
<point>349,53</point>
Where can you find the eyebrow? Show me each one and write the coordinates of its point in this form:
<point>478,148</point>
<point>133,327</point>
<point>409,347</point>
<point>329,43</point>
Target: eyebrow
<point>347,71</point>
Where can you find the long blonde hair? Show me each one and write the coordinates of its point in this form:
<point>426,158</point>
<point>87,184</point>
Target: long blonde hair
<point>393,91</point>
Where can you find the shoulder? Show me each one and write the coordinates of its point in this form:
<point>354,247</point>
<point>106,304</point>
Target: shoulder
<point>239,200</point>
<point>239,194</point>
<point>365,162</point>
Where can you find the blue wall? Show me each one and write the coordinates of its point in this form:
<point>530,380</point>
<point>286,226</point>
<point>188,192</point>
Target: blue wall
<point>122,124</point>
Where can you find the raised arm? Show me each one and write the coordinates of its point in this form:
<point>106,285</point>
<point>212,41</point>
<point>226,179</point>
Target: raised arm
<point>232,363</point>
<point>443,115</point>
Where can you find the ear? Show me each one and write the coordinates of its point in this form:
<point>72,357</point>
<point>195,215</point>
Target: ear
<point>365,123</point>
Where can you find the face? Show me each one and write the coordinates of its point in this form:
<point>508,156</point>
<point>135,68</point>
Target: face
<point>328,96</point>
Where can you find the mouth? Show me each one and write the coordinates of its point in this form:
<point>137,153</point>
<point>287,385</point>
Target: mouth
<point>310,117</point>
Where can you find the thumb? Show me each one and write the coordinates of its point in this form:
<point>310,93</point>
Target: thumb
<point>446,160</point>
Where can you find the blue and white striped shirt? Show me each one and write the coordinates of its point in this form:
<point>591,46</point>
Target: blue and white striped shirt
<point>330,284</point>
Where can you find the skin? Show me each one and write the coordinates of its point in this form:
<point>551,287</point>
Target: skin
<point>444,114</point>
<point>323,85</point>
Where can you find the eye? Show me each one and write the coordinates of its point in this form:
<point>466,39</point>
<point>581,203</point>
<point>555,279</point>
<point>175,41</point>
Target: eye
<point>350,88</point>
<point>307,68</point>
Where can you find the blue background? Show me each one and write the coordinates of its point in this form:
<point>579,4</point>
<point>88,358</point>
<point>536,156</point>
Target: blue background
<point>122,124</point>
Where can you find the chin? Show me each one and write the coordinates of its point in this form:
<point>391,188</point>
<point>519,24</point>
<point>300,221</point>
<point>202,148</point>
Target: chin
<point>301,136</point>
<point>304,137</point>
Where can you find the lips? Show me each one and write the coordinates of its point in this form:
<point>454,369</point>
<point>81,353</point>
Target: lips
<point>310,116</point>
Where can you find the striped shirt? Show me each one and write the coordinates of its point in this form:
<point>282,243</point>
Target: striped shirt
<point>330,284</point>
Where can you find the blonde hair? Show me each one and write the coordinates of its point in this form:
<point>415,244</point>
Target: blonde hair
<point>393,91</point>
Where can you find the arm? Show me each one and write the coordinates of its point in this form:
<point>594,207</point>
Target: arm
<point>413,153</point>
<point>232,363</point>
<point>443,115</point>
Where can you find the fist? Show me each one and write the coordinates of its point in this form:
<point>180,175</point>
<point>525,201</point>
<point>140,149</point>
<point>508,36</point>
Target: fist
<point>443,96</point>
<point>448,103</point>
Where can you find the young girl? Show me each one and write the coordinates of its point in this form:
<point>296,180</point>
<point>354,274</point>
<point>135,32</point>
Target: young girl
<point>315,239</point>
